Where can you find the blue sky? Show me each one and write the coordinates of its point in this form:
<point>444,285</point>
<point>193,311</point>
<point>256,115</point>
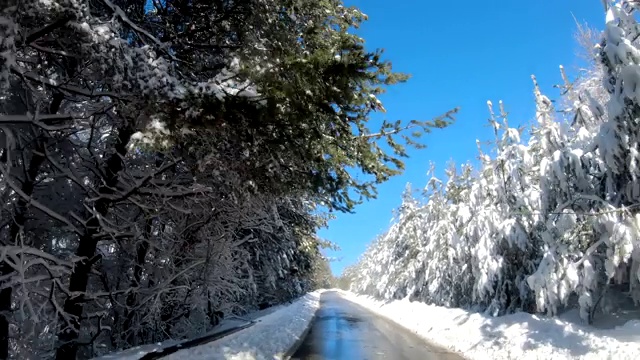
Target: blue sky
<point>460,53</point>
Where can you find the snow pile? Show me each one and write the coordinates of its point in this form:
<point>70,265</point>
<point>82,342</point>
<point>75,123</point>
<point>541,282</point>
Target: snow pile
<point>516,336</point>
<point>274,336</point>
<point>138,352</point>
<point>277,332</point>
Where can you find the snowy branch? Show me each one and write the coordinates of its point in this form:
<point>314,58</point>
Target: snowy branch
<point>38,205</point>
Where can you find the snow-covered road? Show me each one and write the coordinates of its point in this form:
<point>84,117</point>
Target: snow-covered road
<point>345,330</point>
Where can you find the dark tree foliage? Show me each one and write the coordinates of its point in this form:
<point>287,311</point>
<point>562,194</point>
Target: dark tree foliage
<point>165,164</point>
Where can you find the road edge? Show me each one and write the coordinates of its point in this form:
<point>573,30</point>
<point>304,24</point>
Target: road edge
<point>292,350</point>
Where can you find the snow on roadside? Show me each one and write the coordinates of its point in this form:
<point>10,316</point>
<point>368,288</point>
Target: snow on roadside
<point>272,337</point>
<point>137,352</point>
<point>516,336</point>
<point>277,330</point>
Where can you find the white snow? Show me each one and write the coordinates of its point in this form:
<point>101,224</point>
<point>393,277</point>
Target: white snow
<point>517,336</point>
<point>277,331</point>
<point>137,352</point>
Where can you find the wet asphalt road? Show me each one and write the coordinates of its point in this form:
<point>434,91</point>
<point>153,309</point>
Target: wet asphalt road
<point>343,330</point>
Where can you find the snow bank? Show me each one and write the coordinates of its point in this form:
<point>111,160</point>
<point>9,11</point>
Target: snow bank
<point>277,331</point>
<point>138,352</point>
<point>517,336</point>
<point>273,337</point>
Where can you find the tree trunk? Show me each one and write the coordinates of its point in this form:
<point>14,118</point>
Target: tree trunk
<point>19,219</point>
<point>142,249</point>
<point>215,316</point>
<point>171,310</point>
<point>132,299</point>
<point>73,305</point>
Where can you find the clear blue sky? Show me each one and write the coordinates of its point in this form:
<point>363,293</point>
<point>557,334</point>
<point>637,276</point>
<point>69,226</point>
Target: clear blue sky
<point>459,53</point>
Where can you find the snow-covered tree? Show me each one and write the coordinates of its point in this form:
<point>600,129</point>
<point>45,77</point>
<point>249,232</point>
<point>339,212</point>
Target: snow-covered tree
<point>542,223</point>
<point>162,164</point>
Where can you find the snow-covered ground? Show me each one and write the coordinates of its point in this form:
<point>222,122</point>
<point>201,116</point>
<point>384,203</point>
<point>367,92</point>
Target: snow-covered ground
<point>278,330</point>
<point>137,352</point>
<point>517,336</point>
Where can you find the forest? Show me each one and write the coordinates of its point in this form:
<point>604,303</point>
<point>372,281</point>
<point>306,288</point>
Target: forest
<point>548,217</point>
<point>167,163</point>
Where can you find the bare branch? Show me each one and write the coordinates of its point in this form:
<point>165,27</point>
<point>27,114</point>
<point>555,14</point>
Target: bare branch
<point>64,87</point>
<point>43,121</point>
<point>38,33</point>
<point>118,12</point>
<point>53,51</point>
<point>38,205</point>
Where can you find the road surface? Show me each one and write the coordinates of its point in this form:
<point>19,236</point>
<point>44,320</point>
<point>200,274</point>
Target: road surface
<point>343,330</point>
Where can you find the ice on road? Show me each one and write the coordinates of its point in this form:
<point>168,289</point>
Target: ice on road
<point>345,330</point>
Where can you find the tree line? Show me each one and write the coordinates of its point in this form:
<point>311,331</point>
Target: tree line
<point>166,163</point>
<point>549,219</point>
